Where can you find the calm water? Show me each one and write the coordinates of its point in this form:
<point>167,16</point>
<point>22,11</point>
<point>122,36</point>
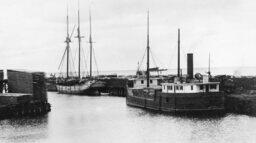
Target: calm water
<point>108,120</point>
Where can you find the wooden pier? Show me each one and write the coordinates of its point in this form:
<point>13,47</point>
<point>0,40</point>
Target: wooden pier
<point>114,86</point>
<point>25,94</point>
<point>241,104</point>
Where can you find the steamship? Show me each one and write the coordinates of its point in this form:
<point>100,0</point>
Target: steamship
<point>182,95</point>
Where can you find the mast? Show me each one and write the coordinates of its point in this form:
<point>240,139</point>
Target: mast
<point>79,44</point>
<point>178,74</point>
<point>90,41</point>
<point>148,50</point>
<point>209,65</point>
<point>67,46</point>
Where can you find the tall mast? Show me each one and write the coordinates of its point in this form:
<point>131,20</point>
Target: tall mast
<point>67,46</point>
<point>209,65</point>
<point>90,41</point>
<point>148,50</point>
<point>178,74</point>
<point>79,44</point>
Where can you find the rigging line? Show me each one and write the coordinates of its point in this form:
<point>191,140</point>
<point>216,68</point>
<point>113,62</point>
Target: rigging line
<point>173,53</point>
<point>82,62</point>
<point>61,70</point>
<point>61,62</point>
<point>142,59</point>
<point>73,44</point>
<point>157,59</point>
<point>86,54</point>
<point>87,58</point>
<point>95,61</point>
<point>76,53</point>
<point>84,59</point>
<point>183,52</point>
<point>153,57</point>
<point>72,31</point>
<point>73,64</point>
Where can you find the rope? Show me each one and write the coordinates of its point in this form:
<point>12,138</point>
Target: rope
<point>173,53</point>
<point>76,49</point>
<point>142,59</point>
<point>153,57</point>
<point>95,61</point>
<point>61,62</point>
<point>72,63</point>
<point>84,59</point>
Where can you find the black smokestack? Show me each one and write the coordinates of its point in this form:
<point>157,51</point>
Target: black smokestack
<point>190,66</point>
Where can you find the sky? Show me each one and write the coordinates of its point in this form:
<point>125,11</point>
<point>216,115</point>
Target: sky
<point>32,33</point>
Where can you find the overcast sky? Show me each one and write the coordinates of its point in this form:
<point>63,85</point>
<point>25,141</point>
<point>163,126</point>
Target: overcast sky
<point>32,32</point>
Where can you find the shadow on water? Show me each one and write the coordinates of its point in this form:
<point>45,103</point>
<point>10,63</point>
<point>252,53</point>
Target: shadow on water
<point>29,121</point>
<point>185,115</point>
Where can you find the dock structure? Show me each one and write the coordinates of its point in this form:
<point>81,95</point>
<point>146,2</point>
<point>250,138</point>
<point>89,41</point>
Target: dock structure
<point>113,86</point>
<point>241,104</point>
<point>26,94</point>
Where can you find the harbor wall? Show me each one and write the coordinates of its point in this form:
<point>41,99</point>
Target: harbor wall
<point>19,82</point>
<point>114,86</point>
<point>27,82</point>
<point>1,80</point>
<point>26,95</point>
<point>241,104</point>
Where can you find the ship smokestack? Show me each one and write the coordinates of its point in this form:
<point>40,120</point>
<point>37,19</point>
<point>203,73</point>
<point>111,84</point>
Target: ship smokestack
<point>190,66</point>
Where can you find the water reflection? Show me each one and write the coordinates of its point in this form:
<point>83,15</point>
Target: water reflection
<point>27,129</point>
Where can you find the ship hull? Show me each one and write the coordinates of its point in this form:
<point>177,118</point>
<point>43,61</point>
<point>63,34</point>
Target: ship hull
<point>78,89</point>
<point>176,102</point>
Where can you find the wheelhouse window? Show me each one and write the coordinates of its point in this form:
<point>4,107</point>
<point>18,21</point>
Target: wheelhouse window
<point>142,81</point>
<point>191,87</point>
<point>181,87</point>
<point>169,87</point>
<point>213,86</point>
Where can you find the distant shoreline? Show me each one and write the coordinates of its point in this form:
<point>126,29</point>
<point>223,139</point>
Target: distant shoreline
<point>236,71</point>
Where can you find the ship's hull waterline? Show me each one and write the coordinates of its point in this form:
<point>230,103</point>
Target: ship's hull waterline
<point>176,102</point>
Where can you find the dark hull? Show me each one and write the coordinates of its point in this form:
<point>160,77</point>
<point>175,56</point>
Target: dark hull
<point>178,102</point>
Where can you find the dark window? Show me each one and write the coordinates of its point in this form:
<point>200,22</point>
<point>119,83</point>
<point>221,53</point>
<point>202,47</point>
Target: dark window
<point>181,87</point>
<point>177,88</point>
<point>191,87</point>
<point>201,87</point>
<point>213,86</point>
<point>151,81</point>
<point>169,87</point>
<point>167,100</point>
<point>142,81</point>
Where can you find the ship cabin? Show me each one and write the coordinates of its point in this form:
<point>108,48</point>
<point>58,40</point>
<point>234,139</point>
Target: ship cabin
<point>142,83</point>
<point>190,87</point>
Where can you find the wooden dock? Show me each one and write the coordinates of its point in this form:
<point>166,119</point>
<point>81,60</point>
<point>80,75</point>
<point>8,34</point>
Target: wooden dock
<point>26,94</point>
<point>241,104</point>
